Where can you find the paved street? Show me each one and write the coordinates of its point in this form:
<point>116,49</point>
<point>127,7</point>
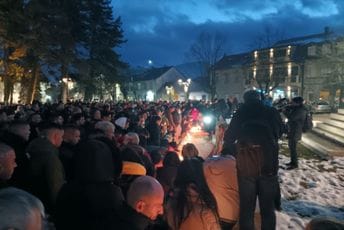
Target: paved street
<point>201,140</point>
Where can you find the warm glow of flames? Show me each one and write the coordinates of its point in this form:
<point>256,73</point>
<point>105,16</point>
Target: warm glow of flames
<point>195,129</point>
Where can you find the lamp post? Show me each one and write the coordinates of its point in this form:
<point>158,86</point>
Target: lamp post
<point>186,85</point>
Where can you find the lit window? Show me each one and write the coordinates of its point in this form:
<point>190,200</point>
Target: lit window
<point>150,95</point>
<point>271,53</point>
<point>288,50</point>
<point>255,54</point>
<point>289,69</point>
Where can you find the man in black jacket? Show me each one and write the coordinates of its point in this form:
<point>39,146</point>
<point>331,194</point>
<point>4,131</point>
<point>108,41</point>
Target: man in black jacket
<point>253,134</point>
<point>45,169</point>
<point>71,138</point>
<point>296,114</point>
<point>145,199</point>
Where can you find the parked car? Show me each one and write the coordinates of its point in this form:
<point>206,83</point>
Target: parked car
<point>321,107</point>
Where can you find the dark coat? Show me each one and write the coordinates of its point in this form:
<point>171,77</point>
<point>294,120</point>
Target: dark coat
<point>91,200</point>
<point>155,134</point>
<point>268,137</point>
<point>145,157</point>
<point>128,218</point>
<point>45,171</point>
<point>166,176</point>
<point>116,155</point>
<point>296,117</point>
<point>19,178</point>
<point>3,184</point>
<point>67,152</point>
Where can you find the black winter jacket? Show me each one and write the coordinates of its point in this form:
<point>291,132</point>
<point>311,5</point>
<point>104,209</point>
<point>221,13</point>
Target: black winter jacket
<point>255,111</point>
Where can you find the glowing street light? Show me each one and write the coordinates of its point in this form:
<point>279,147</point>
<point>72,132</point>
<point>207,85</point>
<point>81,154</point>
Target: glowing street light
<point>186,85</point>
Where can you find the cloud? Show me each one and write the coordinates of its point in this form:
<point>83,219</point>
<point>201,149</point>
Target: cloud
<point>164,30</point>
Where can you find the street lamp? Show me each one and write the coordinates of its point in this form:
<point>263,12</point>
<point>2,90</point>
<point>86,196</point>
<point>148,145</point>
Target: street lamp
<point>186,85</point>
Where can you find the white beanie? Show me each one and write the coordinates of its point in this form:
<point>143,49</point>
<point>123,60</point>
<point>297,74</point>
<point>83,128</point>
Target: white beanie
<point>121,122</point>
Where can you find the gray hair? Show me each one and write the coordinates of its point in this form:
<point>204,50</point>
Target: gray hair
<point>132,138</point>
<point>104,126</point>
<point>5,149</point>
<point>17,207</point>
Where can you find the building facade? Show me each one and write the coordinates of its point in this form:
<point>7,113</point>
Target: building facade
<point>165,83</point>
<point>310,66</point>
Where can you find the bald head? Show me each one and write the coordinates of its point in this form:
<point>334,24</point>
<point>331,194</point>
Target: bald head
<point>146,196</point>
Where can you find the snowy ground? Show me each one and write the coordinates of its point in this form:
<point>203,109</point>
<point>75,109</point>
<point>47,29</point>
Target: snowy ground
<point>315,189</point>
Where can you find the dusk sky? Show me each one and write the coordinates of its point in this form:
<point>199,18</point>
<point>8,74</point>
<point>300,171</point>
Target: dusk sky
<point>163,30</point>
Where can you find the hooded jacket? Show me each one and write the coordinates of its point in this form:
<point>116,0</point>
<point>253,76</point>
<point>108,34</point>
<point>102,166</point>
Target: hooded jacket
<point>91,199</point>
<point>254,112</point>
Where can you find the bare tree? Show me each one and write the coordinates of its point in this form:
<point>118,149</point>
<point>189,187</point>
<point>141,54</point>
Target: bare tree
<point>208,49</point>
<point>267,38</point>
<point>266,79</point>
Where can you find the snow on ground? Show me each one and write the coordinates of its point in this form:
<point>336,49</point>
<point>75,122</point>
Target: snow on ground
<point>315,189</point>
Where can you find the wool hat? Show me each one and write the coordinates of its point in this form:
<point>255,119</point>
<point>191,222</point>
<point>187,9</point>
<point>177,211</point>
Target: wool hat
<point>133,168</point>
<point>121,122</point>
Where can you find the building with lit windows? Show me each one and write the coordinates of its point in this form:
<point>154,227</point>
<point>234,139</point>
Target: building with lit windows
<point>311,66</point>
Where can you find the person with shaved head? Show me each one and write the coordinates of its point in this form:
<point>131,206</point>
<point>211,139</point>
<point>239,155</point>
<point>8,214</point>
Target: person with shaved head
<point>144,203</point>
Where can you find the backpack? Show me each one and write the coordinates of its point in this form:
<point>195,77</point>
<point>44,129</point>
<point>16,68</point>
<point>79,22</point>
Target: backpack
<point>252,156</point>
<point>308,123</point>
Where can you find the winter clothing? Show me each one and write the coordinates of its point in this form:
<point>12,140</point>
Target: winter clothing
<point>256,128</point>
<point>3,184</point>
<point>166,176</point>
<point>296,117</point>
<point>220,174</point>
<point>255,113</point>
<point>121,122</point>
<point>133,168</point>
<point>19,178</point>
<point>45,171</point>
<point>128,218</point>
<point>155,135</point>
<point>145,157</point>
<point>67,152</point>
<point>91,200</point>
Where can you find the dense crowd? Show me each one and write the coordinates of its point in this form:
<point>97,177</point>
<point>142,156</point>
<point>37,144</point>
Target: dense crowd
<point>118,166</point>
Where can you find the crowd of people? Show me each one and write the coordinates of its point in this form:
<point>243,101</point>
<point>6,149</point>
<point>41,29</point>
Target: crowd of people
<point>118,166</point>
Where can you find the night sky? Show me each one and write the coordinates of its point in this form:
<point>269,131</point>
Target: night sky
<point>163,30</point>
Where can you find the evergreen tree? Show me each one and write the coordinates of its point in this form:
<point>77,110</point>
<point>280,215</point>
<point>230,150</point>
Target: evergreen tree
<point>101,35</point>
